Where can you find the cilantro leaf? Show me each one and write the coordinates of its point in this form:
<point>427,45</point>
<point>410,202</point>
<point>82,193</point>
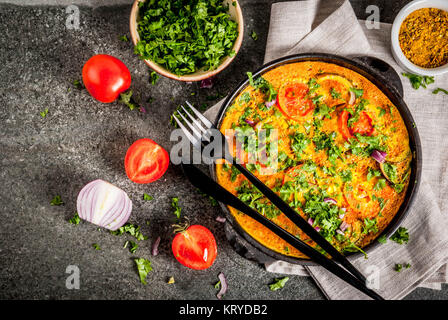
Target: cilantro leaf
<point>143,267</point>
<point>175,206</point>
<point>401,236</point>
<point>56,201</point>
<point>278,284</point>
<point>75,219</point>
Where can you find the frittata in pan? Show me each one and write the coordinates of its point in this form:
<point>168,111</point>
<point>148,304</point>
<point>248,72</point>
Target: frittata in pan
<point>342,161</point>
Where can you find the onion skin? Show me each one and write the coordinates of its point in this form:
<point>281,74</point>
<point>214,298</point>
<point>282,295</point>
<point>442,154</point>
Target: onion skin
<point>224,286</point>
<point>104,204</point>
<point>155,247</point>
<point>330,200</point>
<point>206,83</point>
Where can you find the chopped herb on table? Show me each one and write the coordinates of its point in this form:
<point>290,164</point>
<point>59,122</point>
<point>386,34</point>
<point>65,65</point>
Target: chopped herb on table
<point>254,35</point>
<point>78,85</point>
<point>56,201</point>
<point>419,81</point>
<point>398,267</point>
<point>44,113</point>
<point>147,197</point>
<point>382,239</point>
<point>185,36</point>
<point>75,219</point>
<point>96,246</point>
<point>127,99</point>
<point>131,229</point>
<point>153,77</point>
<point>124,38</point>
<point>401,236</point>
<point>143,267</point>
<point>278,284</point>
<point>436,91</point>
<point>175,206</point>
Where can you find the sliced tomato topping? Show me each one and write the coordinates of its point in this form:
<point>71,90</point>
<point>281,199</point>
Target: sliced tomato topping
<point>293,102</point>
<point>342,123</point>
<point>363,125</point>
<point>360,201</point>
<point>145,161</point>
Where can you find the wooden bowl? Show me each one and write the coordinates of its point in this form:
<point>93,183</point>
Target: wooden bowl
<point>235,13</point>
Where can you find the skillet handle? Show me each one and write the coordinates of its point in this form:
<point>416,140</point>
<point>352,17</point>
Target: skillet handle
<point>384,69</point>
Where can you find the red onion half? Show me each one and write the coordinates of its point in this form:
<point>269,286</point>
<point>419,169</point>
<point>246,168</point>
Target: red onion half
<point>223,290</point>
<point>104,204</point>
<point>270,103</point>
<point>330,200</point>
<point>379,156</point>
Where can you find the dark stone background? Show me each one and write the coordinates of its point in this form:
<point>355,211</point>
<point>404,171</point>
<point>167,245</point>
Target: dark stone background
<point>81,140</point>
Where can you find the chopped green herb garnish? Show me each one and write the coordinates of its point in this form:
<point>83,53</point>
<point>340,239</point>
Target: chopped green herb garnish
<point>143,267</point>
<point>96,246</point>
<point>131,229</point>
<point>124,38</point>
<point>254,35</point>
<point>382,239</point>
<point>133,246</point>
<point>175,206</point>
<point>75,219</point>
<point>418,81</point>
<point>127,99</point>
<point>153,77</point>
<point>358,92</point>
<point>186,36</point>
<point>44,113</point>
<point>436,91</point>
<point>278,284</point>
<point>147,197</point>
<point>56,201</point>
<point>77,84</point>
<point>398,267</point>
<point>401,236</point>
<point>335,94</point>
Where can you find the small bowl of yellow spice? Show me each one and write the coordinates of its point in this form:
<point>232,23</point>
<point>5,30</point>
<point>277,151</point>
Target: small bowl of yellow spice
<point>420,37</point>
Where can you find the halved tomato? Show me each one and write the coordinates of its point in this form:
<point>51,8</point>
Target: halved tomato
<point>293,102</point>
<point>195,247</point>
<point>145,161</point>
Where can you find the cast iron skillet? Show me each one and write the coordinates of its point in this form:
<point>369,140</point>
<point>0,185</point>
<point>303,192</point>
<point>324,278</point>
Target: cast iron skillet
<point>380,74</point>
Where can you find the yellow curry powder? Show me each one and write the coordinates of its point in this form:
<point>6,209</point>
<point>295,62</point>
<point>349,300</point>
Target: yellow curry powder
<point>424,37</point>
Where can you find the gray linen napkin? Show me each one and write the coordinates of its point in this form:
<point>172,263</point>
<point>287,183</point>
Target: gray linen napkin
<point>321,26</point>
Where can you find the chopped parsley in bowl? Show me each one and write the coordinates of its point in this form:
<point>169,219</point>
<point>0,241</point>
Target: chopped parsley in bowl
<point>187,40</point>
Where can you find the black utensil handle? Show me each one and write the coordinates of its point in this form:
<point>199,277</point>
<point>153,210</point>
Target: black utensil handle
<point>210,187</point>
<point>300,222</point>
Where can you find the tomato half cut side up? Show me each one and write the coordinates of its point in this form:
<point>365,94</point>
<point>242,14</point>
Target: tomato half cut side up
<point>292,100</point>
<point>145,161</point>
<point>195,247</point>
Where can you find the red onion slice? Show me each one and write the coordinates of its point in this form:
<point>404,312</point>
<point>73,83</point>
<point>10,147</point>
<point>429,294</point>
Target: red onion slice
<point>104,204</point>
<point>344,225</point>
<point>250,122</point>
<point>223,290</point>
<point>330,200</point>
<point>155,247</point>
<point>220,219</point>
<point>270,103</point>
<point>206,83</point>
<point>379,156</point>
<point>310,221</point>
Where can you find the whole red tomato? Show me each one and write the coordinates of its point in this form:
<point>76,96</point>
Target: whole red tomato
<point>195,247</point>
<point>105,77</point>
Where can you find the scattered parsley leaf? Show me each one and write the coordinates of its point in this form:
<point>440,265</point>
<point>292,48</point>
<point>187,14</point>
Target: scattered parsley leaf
<point>147,197</point>
<point>278,284</point>
<point>153,77</point>
<point>418,81</point>
<point>175,206</point>
<point>254,35</point>
<point>96,246</point>
<point>382,239</point>
<point>143,267</point>
<point>77,84</point>
<point>131,229</point>
<point>127,99</point>
<point>75,219</point>
<point>398,267</point>
<point>56,201</point>
<point>44,113</point>
<point>124,38</point>
<point>401,236</point>
<point>436,91</point>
